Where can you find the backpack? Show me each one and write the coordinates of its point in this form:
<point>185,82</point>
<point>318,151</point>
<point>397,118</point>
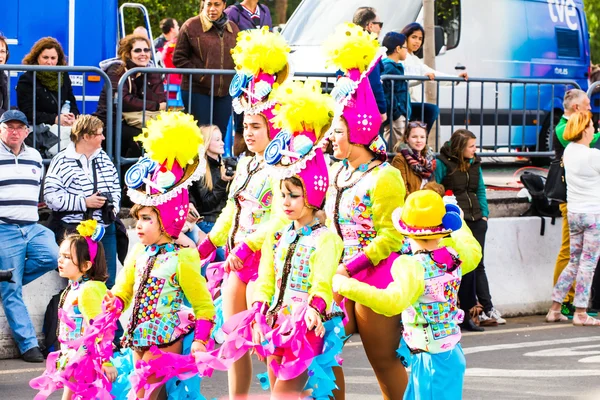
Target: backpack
<point>540,206</point>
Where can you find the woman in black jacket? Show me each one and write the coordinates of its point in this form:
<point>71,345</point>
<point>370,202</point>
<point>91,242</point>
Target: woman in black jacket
<point>209,194</point>
<point>46,51</point>
<point>4,105</point>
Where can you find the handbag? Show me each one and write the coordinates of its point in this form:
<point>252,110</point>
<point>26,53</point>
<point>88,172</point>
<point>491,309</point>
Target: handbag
<point>556,185</point>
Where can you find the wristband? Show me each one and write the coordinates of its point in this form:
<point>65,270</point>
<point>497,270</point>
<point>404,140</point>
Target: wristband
<point>202,329</point>
<point>206,248</point>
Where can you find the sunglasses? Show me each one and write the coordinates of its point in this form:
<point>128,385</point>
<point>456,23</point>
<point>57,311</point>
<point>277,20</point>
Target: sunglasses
<point>139,50</point>
<point>378,23</point>
<point>417,124</point>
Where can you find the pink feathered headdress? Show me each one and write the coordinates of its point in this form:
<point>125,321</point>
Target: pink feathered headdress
<point>174,147</point>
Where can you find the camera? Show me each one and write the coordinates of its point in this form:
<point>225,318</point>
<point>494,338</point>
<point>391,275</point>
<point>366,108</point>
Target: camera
<point>6,275</point>
<point>108,209</point>
<point>230,165</point>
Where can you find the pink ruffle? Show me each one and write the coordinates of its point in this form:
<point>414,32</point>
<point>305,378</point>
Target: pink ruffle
<point>215,274</point>
<point>82,373</point>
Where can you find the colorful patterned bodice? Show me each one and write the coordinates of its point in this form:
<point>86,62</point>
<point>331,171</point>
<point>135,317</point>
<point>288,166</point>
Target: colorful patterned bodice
<point>293,268</point>
<point>252,194</point>
<point>431,323</point>
<point>159,314</point>
<point>350,208</point>
<point>71,307</point>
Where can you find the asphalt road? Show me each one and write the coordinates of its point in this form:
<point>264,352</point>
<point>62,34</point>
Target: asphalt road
<point>526,359</point>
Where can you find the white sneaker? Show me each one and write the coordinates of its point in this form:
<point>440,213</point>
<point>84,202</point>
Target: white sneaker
<point>483,317</point>
<point>497,316</point>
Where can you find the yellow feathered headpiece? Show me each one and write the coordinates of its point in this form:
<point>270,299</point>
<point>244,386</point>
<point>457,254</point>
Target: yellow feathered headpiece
<point>303,107</point>
<point>172,136</point>
<point>351,47</point>
<point>259,50</point>
<point>87,228</point>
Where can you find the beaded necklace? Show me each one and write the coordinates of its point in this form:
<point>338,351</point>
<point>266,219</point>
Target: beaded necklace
<point>253,167</point>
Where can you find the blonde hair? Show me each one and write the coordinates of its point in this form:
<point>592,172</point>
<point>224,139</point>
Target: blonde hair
<point>436,187</point>
<point>85,124</point>
<point>578,122</point>
<point>207,132</point>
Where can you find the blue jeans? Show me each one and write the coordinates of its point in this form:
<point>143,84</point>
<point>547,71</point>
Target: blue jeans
<point>109,241</point>
<point>32,251</point>
<point>206,227</point>
<point>201,109</point>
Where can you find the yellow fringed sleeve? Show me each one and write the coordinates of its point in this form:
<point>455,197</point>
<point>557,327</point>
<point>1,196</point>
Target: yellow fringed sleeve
<point>193,284</point>
<point>467,247</point>
<point>123,288</point>
<point>323,265</point>
<point>387,195</point>
<point>408,285</point>
<point>90,299</point>
<point>264,288</point>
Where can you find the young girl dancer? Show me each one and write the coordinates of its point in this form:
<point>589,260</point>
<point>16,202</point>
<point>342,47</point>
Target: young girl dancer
<point>425,290</point>
<point>82,261</point>
<point>261,58</point>
<point>364,192</point>
<point>159,276</point>
<point>293,298</point>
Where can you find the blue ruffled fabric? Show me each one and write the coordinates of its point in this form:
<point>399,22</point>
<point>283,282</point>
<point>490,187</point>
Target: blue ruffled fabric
<point>177,389</point>
<point>217,334</point>
<point>403,353</point>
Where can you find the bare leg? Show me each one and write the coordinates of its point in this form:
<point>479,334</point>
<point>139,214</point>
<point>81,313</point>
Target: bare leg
<point>349,328</point>
<point>289,389</point>
<point>381,337</point>
<point>67,394</point>
<point>159,393</point>
<point>239,376</point>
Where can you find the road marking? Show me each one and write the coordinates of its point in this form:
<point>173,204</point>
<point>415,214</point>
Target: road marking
<point>566,351</point>
<point>523,329</point>
<point>523,345</point>
<point>18,371</point>
<point>529,373</point>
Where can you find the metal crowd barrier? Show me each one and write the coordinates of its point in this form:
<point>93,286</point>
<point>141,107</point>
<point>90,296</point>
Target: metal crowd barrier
<point>486,103</point>
<point>108,132</point>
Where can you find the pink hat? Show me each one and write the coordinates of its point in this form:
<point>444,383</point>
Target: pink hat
<point>159,180</point>
<point>304,115</point>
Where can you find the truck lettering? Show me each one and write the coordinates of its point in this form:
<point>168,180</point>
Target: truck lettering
<point>563,11</point>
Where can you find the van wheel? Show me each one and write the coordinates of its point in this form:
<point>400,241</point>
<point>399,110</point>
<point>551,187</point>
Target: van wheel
<point>545,139</point>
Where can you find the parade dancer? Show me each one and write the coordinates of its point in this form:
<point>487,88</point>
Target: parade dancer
<point>159,276</point>
<point>363,193</point>
<point>425,290</point>
<point>79,366</point>
<point>294,322</point>
<point>261,59</point>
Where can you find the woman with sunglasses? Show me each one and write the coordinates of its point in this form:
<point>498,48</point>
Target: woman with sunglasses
<point>415,160</point>
<point>413,65</point>
<point>134,52</point>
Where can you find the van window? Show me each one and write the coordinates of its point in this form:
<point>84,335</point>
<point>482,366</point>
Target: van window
<point>567,42</point>
<point>448,17</point>
<point>315,20</point>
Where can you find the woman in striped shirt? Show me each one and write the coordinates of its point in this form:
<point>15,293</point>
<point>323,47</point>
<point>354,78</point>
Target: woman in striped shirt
<point>82,183</point>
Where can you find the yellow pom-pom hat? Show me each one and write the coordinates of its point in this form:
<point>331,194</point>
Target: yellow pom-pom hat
<point>356,52</point>
<point>425,216</point>
<point>303,114</point>
<point>174,160</point>
<point>261,59</point>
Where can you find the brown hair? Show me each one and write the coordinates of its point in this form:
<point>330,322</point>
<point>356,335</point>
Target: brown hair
<point>578,122</point>
<point>80,253</point>
<point>44,44</point>
<point>207,132</point>
<point>458,143</point>
<point>296,181</point>
<point>126,45</point>
<point>436,187</point>
<point>3,40</point>
<point>85,124</point>
<point>409,128</point>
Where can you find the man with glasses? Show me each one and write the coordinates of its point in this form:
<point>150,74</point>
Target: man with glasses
<point>28,249</point>
<point>366,18</point>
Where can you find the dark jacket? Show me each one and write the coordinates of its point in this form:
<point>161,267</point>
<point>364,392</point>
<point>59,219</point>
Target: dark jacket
<point>241,18</point>
<point>376,85</point>
<point>133,91</point>
<point>401,97</point>
<point>4,104</point>
<point>200,46</point>
<point>210,203</point>
<point>464,185</point>
<point>47,107</point>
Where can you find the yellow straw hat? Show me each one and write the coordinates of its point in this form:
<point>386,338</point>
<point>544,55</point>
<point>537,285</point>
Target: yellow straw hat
<point>425,216</point>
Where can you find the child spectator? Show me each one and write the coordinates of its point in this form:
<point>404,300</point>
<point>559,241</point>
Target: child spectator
<point>395,43</point>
